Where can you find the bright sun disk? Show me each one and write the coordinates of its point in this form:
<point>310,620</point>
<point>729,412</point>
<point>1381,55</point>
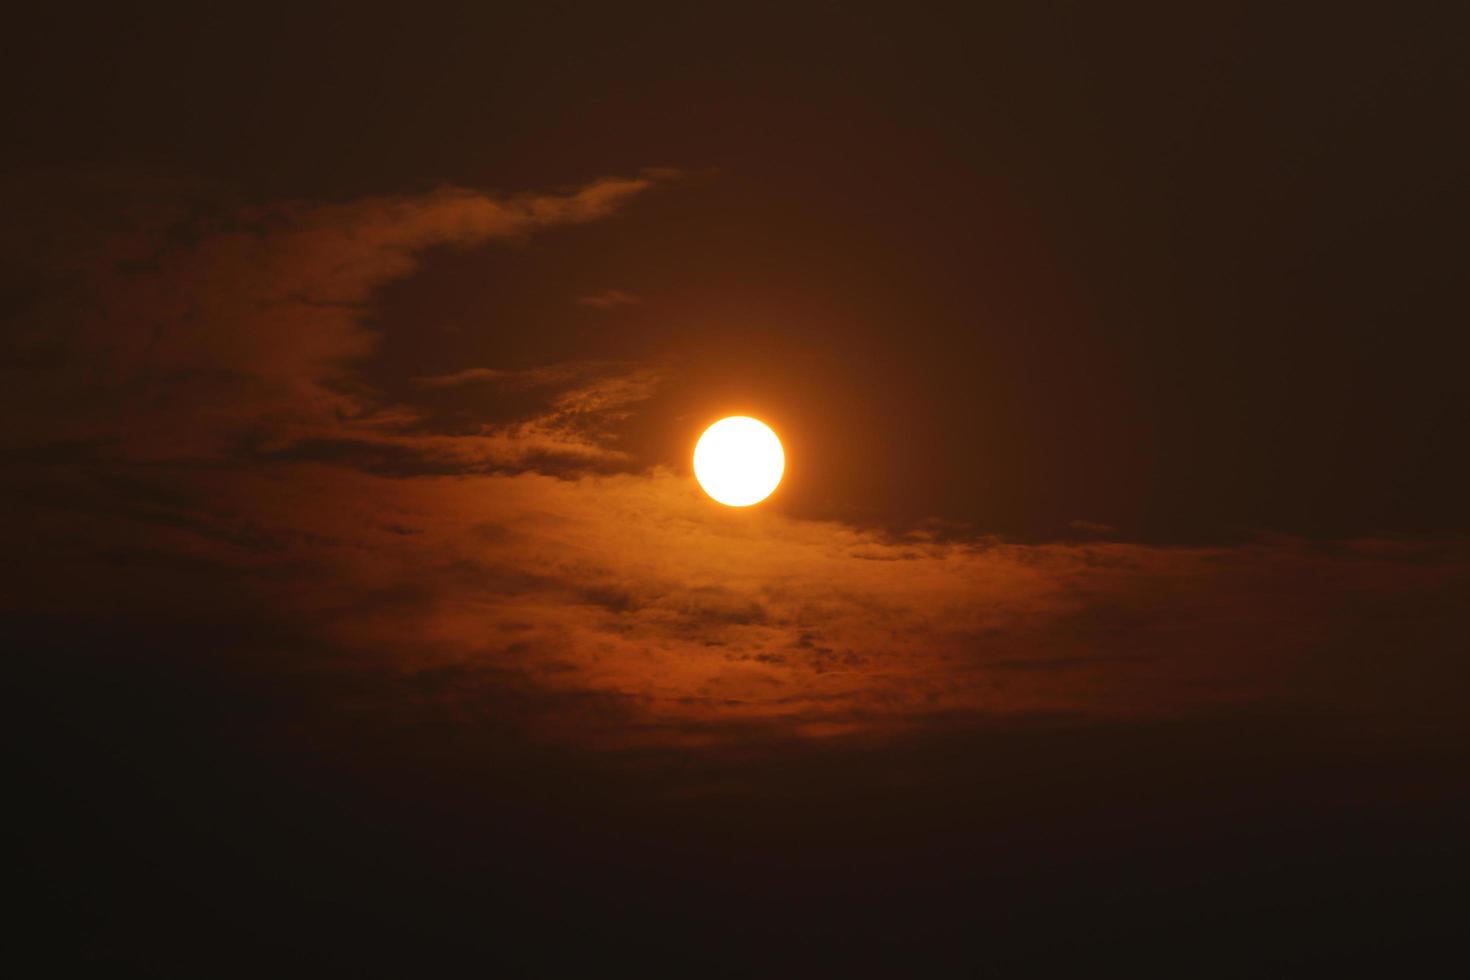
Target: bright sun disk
<point>739,461</point>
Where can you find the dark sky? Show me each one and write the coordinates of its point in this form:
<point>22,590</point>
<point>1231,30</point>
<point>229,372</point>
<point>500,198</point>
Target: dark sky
<point>365,614</point>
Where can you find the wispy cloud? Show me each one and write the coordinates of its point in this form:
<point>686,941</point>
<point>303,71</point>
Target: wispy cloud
<point>609,299</point>
<point>186,330</point>
<point>454,379</point>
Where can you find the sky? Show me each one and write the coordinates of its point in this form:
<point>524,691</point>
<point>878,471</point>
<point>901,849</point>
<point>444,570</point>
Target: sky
<point>365,615</point>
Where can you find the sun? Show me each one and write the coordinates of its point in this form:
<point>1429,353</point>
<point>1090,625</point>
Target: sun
<point>739,461</point>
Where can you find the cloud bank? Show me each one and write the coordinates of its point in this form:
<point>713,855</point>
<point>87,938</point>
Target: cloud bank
<point>188,434</point>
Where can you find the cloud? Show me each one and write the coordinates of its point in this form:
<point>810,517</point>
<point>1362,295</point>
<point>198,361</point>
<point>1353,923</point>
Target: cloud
<point>1093,529</point>
<point>468,376</point>
<point>564,427</point>
<point>700,622</point>
<point>190,437</point>
<point>609,299</point>
<point>177,332</point>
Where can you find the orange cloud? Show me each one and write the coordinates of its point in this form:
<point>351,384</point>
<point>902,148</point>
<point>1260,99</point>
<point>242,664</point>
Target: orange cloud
<point>206,446</point>
<point>179,334</point>
<point>696,622</point>
<point>609,299</point>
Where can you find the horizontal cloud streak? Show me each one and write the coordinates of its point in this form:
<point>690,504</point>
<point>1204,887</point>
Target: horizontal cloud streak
<point>696,619</point>
<point>609,299</point>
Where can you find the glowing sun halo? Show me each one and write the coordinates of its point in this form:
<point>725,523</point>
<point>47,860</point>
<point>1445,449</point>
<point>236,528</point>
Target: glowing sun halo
<point>739,461</point>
